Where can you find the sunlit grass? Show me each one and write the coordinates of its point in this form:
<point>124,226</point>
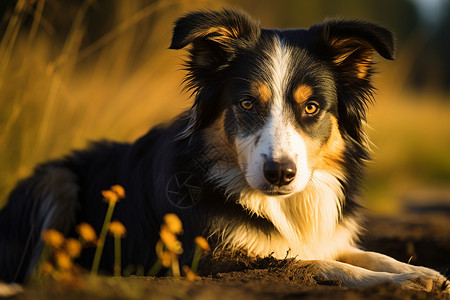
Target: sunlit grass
<point>410,154</point>
<point>59,95</point>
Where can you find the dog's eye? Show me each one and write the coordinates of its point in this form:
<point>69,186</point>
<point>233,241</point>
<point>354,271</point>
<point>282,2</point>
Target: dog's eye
<point>311,108</point>
<point>246,104</point>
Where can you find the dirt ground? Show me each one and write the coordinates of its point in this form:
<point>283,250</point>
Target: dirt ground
<point>423,234</point>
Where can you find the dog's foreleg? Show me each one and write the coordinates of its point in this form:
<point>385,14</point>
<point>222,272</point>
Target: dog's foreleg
<point>355,276</point>
<point>382,263</point>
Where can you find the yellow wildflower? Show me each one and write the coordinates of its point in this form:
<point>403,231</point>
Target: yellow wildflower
<point>202,243</point>
<point>73,247</point>
<point>173,223</point>
<point>110,197</point>
<point>53,238</point>
<point>87,232</point>
<point>189,273</point>
<point>63,260</point>
<point>117,229</point>
<point>114,194</point>
<point>119,190</point>
<point>166,258</point>
<point>47,268</point>
<point>170,240</point>
<point>167,236</point>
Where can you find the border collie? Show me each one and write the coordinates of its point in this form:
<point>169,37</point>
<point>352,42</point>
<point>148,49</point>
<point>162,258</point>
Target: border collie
<point>268,160</point>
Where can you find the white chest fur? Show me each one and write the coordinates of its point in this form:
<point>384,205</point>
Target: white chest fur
<point>307,223</point>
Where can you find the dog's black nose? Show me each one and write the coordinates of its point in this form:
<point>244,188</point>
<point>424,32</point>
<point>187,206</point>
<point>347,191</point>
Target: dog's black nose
<point>279,173</point>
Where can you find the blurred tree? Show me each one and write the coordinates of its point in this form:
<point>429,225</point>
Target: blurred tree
<point>423,52</point>
<point>432,64</point>
<point>400,15</point>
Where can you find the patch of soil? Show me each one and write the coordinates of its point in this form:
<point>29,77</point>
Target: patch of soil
<point>425,237</point>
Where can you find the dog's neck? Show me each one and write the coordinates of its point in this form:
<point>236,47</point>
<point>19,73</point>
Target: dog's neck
<point>303,223</point>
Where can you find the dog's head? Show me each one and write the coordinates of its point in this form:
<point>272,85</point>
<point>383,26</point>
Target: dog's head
<point>289,101</point>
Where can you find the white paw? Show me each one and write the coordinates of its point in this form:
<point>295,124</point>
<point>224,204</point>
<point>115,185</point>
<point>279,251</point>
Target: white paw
<point>421,282</point>
<point>9,290</point>
<point>440,282</point>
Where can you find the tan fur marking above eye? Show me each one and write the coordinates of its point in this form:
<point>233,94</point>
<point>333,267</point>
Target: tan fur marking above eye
<point>333,150</point>
<point>263,92</point>
<point>303,93</point>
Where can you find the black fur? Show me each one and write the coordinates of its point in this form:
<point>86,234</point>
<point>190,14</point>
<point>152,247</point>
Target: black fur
<point>224,45</point>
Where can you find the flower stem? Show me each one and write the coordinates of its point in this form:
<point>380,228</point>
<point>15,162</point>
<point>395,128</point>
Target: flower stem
<point>101,239</point>
<point>175,268</point>
<point>117,256</point>
<point>196,259</point>
<point>45,254</point>
<point>155,268</point>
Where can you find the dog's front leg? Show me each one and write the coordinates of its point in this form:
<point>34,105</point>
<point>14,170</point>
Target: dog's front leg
<point>382,263</point>
<point>351,275</point>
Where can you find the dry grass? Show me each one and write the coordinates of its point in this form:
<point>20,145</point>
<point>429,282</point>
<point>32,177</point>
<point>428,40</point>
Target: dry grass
<point>410,132</point>
<point>58,95</point>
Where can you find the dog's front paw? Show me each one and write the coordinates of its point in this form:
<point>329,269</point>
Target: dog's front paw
<point>414,281</point>
<point>443,285</point>
<point>440,282</point>
<point>421,282</point>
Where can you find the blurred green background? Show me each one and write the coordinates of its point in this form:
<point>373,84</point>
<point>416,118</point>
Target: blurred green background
<point>74,71</point>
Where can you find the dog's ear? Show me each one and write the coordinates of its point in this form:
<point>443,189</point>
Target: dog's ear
<point>216,38</point>
<point>349,47</point>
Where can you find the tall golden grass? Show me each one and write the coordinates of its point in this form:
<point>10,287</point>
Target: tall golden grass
<point>55,98</point>
<point>58,95</point>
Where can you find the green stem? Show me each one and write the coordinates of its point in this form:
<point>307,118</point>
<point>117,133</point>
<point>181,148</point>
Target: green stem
<point>45,254</point>
<point>196,259</point>
<point>82,241</point>
<point>175,267</point>
<point>101,239</point>
<point>117,256</point>
<point>139,270</point>
<point>155,268</point>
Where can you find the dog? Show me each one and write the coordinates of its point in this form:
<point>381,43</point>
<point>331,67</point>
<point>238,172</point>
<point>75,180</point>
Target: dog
<point>268,160</point>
